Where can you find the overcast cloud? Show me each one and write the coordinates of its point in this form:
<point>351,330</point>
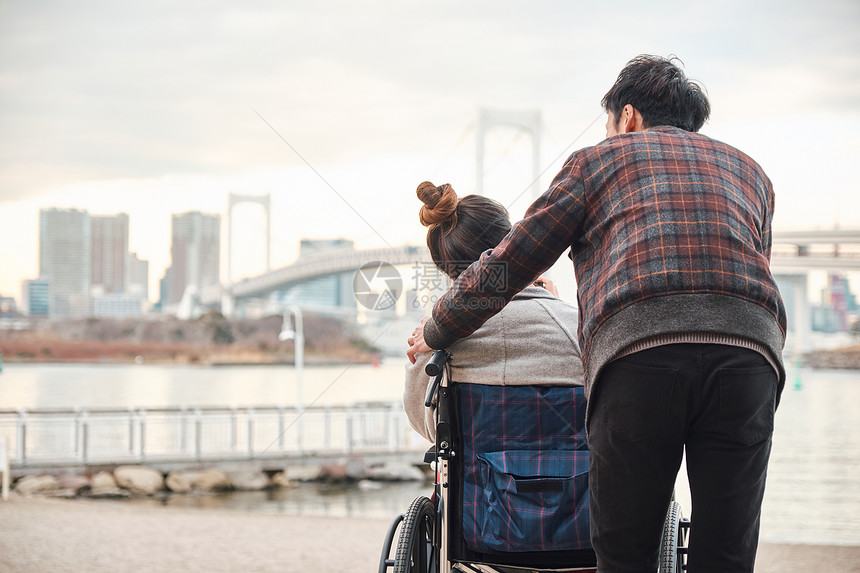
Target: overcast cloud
<point>104,102</point>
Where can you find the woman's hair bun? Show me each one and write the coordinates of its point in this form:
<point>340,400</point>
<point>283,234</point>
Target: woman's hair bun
<point>440,204</point>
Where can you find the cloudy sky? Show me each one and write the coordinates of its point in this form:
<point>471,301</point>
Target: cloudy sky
<point>153,108</point>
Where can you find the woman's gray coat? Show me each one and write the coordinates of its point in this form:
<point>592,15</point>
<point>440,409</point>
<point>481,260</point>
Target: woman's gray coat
<point>532,341</point>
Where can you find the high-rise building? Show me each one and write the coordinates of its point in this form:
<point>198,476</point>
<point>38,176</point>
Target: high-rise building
<point>64,258</point>
<point>8,307</point>
<point>109,252</point>
<point>116,304</point>
<point>195,253</point>
<point>36,297</point>
<point>137,276</point>
<point>163,291</point>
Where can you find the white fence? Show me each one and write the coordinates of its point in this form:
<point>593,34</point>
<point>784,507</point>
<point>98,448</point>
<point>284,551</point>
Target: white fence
<point>93,436</point>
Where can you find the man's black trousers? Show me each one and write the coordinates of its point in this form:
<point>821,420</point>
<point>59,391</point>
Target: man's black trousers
<point>715,401</point>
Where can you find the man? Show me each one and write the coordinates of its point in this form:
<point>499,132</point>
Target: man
<point>681,323</point>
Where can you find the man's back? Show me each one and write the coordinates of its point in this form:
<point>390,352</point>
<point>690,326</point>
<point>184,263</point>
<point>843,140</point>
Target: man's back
<point>669,212</point>
<point>669,233</point>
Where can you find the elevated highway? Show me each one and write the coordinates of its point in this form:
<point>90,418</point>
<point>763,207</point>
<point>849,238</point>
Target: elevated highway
<point>331,262</point>
<point>804,251</point>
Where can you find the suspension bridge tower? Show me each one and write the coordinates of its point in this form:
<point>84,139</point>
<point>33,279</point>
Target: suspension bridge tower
<point>529,121</point>
<point>234,199</point>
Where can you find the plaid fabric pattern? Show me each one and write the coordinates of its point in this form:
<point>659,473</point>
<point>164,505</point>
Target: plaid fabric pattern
<point>525,467</point>
<point>646,214</point>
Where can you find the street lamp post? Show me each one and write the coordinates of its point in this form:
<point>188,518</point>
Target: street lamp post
<point>287,333</point>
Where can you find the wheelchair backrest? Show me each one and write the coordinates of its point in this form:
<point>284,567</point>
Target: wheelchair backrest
<point>523,467</point>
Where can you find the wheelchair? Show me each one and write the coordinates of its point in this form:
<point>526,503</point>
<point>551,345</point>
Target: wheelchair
<point>511,487</point>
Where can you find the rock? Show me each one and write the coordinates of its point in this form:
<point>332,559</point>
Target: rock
<point>302,473</point>
<point>178,482</point>
<point>74,482</point>
<point>103,480</point>
<point>356,469</point>
<point>248,480</point>
<point>139,479</point>
<point>36,484</point>
<point>396,472</point>
<point>108,493</point>
<point>64,493</point>
<point>209,480</point>
<point>280,479</point>
<point>333,473</point>
<point>353,470</point>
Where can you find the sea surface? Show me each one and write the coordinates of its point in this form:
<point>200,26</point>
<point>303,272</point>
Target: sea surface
<point>813,490</point>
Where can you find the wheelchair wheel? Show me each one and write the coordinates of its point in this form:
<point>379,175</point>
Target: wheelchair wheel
<point>673,547</point>
<point>415,550</point>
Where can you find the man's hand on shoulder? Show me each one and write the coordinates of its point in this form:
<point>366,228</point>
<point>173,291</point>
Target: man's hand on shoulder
<point>544,282</point>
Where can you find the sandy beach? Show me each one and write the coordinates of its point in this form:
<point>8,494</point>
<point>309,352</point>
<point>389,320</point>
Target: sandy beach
<point>38,535</point>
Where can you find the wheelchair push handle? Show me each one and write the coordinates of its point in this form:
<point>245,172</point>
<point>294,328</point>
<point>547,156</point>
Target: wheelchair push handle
<point>437,361</point>
<point>434,368</point>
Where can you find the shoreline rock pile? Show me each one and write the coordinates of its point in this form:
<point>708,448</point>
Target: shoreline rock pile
<point>841,358</point>
<point>140,480</point>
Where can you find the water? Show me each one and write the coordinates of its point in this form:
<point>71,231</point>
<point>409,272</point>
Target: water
<point>813,491</point>
<point>813,483</point>
<point>89,386</point>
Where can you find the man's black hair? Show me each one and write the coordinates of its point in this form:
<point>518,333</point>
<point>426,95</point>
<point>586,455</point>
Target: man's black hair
<point>658,88</point>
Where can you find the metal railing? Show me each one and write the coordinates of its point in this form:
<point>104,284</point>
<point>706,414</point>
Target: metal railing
<point>108,435</point>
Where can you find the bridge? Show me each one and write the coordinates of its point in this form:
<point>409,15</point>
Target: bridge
<point>802,251</point>
<point>308,267</point>
<point>794,251</point>
<point>797,253</point>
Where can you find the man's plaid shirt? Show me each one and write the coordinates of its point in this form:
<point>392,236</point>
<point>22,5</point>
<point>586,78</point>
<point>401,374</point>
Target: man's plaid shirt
<point>649,214</point>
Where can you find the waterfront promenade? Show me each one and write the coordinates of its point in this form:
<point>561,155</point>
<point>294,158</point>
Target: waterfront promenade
<point>38,535</point>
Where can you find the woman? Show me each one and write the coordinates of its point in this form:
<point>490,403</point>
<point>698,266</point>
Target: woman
<point>532,341</point>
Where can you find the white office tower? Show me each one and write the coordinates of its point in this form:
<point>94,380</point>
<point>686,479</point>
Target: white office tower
<point>195,252</point>
<point>64,259</point>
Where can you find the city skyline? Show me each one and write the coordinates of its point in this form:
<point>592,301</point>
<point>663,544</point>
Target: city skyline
<point>86,263</point>
<point>160,110</point>
<point>82,246</point>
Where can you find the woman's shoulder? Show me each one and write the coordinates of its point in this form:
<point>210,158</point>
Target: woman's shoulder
<point>533,339</point>
<point>532,298</point>
<point>532,315</point>
<point>540,315</point>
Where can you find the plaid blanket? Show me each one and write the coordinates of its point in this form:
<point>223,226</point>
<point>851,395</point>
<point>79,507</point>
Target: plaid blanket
<point>525,468</point>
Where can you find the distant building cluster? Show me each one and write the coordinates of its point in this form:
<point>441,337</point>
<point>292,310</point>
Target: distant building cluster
<point>85,267</point>
<point>838,310</point>
<point>87,270</point>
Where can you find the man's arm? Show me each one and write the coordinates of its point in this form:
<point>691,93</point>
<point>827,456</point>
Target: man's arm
<point>767,232</point>
<point>550,226</point>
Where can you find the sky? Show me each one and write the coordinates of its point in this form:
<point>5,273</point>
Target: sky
<point>338,109</point>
